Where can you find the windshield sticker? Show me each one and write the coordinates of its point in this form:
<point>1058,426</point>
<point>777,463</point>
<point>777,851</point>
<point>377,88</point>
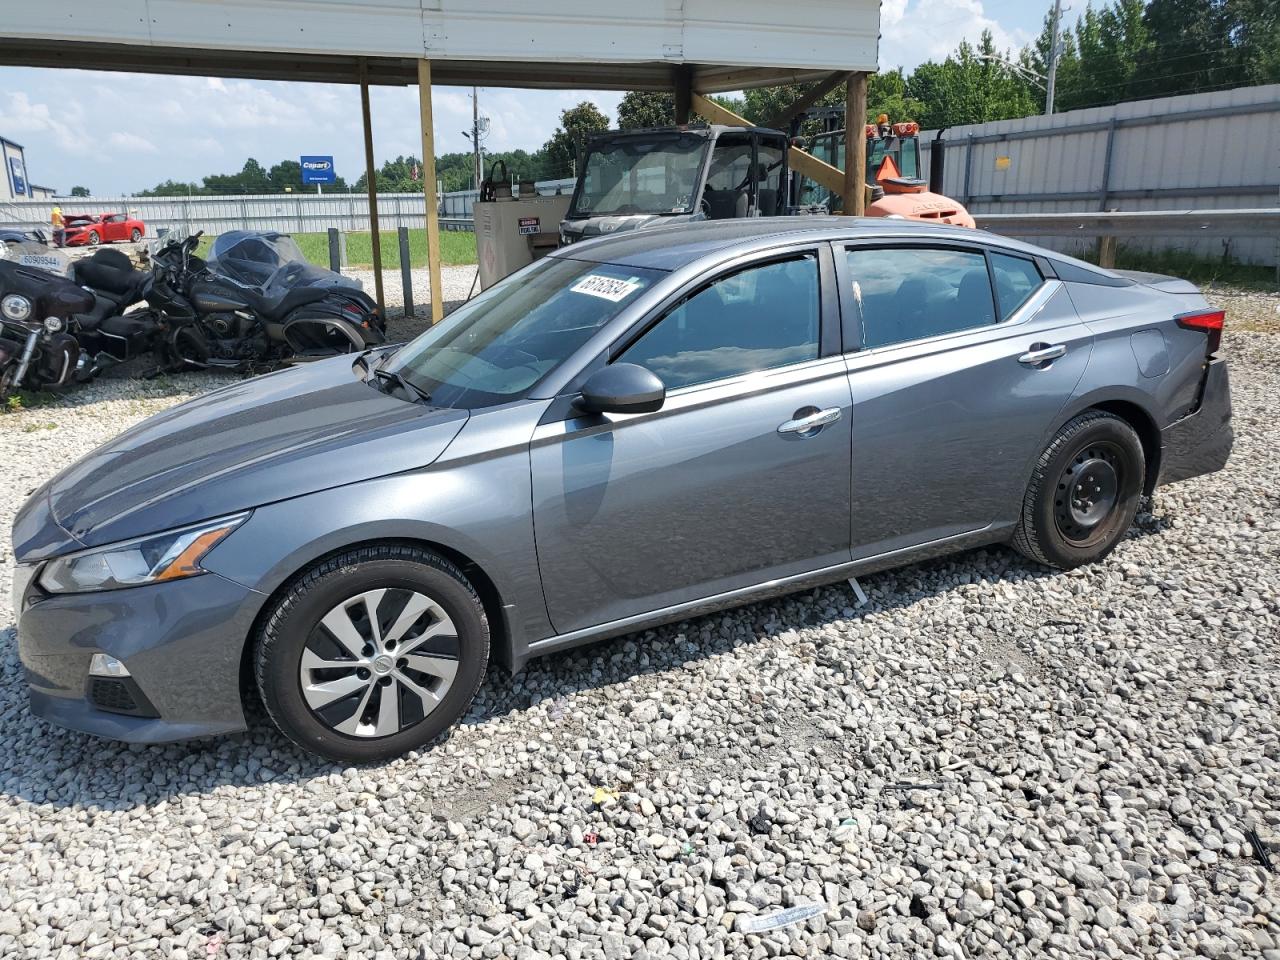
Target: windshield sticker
<point>610,288</point>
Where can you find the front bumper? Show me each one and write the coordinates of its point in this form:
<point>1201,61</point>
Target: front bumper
<point>181,640</point>
<point>1200,442</point>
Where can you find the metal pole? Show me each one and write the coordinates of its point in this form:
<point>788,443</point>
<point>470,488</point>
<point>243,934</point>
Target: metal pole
<point>1054,53</point>
<point>406,271</point>
<point>335,251</point>
<point>374,238</point>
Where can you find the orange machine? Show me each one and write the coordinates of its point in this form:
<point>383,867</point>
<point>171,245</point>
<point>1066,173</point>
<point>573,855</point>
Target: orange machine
<point>894,195</point>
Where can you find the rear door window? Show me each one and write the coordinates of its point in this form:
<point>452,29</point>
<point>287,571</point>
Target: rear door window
<point>911,293</point>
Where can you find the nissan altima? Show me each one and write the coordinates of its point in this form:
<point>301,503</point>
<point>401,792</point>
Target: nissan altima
<point>631,431</point>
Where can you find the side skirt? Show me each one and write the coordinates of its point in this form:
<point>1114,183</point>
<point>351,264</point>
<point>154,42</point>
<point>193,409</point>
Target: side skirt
<point>995,533</point>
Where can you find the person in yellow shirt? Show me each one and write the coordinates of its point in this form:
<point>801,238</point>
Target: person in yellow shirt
<point>59,228</point>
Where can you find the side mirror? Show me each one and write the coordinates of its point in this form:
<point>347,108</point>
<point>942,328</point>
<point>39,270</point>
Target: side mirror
<point>622,388</point>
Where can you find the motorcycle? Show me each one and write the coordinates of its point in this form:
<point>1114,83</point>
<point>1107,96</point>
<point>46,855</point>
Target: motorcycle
<point>54,332</point>
<point>256,301</point>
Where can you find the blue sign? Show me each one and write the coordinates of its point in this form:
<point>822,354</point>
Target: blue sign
<point>318,170</point>
<point>19,176</point>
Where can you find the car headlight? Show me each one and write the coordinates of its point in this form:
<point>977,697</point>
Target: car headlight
<point>14,306</point>
<point>161,556</point>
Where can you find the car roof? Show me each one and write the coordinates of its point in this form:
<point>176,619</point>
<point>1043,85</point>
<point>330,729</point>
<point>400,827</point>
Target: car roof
<point>669,247</point>
<point>674,246</point>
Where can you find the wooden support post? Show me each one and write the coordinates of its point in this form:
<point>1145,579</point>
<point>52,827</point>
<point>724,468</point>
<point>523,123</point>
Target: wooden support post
<point>855,145</point>
<point>1107,252</point>
<point>371,176</point>
<point>429,191</point>
<point>683,76</point>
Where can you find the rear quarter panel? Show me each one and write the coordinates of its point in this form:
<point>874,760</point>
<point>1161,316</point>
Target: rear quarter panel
<point>1140,354</point>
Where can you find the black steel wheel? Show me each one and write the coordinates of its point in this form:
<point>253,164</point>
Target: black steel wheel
<point>372,653</point>
<point>1084,492</point>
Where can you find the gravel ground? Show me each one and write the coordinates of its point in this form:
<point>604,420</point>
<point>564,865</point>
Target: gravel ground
<point>458,282</point>
<point>987,759</point>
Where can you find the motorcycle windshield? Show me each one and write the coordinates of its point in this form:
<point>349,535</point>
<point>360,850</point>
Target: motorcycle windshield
<point>270,262</point>
<point>29,253</point>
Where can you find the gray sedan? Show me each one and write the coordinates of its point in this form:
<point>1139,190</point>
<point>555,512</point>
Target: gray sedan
<point>631,431</point>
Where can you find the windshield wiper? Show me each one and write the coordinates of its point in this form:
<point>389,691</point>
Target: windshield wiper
<point>390,376</point>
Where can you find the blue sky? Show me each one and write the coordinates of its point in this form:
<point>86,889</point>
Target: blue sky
<point>117,133</point>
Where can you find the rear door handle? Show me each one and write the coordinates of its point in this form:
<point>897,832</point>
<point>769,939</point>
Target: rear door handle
<point>1042,353</point>
<point>811,422</point>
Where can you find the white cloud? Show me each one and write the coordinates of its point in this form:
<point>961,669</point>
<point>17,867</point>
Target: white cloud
<point>131,141</point>
<point>913,31</point>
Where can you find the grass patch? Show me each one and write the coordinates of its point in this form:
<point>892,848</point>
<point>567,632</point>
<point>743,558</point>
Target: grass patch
<point>1188,266</point>
<point>457,247</point>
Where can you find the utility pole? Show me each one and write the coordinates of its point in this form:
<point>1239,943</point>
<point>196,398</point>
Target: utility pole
<point>479,130</point>
<point>475,135</point>
<point>1055,51</point>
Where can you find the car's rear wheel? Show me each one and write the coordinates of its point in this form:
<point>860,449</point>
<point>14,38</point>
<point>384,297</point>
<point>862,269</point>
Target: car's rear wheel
<point>372,653</point>
<point>94,239</point>
<point>135,234</point>
<point>1084,492</point>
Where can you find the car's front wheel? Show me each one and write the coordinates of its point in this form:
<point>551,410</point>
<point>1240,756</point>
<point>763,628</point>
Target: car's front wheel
<point>94,238</point>
<point>135,234</point>
<point>1084,492</point>
<point>372,653</point>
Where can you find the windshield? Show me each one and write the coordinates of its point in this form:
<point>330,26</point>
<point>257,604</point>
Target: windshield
<point>271,262</point>
<point>507,339</point>
<point>29,253</point>
<point>634,176</point>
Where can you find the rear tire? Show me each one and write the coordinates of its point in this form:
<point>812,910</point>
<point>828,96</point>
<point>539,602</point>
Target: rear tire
<point>372,653</point>
<point>1084,492</point>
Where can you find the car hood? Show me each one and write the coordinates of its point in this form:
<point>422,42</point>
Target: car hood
<point>287,434</point>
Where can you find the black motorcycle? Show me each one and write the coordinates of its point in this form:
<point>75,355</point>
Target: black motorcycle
<point>54,332</point>
<point>214,318</point>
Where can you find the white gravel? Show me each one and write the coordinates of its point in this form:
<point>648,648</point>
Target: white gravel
<point>989,759</point>
<point>458,281</point>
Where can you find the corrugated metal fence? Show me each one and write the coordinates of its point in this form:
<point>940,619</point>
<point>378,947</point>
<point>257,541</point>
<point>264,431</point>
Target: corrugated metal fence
<point>288,213</point>
<point>1210,150</point>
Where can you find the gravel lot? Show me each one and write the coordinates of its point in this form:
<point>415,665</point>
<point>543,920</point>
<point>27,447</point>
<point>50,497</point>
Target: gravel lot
<point>987,759</point>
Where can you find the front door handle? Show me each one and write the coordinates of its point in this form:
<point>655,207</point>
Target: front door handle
<point>811,423</point>
<point>1043,353</point>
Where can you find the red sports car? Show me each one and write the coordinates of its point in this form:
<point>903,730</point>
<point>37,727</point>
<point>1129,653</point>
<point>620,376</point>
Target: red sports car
<point>90,230</point>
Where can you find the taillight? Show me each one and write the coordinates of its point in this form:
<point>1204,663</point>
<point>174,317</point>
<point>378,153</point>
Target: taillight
<point>1208,321</point>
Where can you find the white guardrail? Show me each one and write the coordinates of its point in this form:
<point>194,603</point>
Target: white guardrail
<point>1261,222</point>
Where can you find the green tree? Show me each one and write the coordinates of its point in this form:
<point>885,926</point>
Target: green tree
<point>1255,27</point>
<point>80,191</point>
<point>565,146</point>
<point>643,108</point>
<point>1191,49</point>
<point>173,188</point>
<point>970,86</point>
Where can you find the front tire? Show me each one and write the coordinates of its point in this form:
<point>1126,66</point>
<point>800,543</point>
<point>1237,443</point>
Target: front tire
<point>135,235</point>
<point>372,653</point>
<point>1084,492</point>
<point>94,238</point>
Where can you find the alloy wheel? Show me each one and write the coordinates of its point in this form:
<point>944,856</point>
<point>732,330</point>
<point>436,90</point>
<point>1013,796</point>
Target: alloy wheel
<point>379,662</point>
